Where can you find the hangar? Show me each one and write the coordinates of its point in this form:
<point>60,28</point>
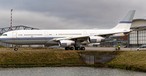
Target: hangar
<point>138,35</point>
<point>135,38</point>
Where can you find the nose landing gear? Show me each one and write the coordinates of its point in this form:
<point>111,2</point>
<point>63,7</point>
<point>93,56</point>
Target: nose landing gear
<point>16,48</point>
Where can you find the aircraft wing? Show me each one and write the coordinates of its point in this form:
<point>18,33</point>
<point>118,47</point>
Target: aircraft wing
<point>79,38</point>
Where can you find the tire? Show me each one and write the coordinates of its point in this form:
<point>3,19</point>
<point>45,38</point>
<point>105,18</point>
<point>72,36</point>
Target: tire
<point>15,49</point>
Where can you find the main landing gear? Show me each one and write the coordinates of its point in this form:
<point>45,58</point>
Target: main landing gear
<point>75,48</point>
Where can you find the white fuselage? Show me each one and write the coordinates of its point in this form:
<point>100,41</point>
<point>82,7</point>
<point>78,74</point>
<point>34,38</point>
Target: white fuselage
<point>25,37</point>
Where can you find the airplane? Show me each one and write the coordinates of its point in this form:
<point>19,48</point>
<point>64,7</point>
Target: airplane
<point>70,39</point>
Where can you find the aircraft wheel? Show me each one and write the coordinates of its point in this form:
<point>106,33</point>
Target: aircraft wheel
<point>15,49</point>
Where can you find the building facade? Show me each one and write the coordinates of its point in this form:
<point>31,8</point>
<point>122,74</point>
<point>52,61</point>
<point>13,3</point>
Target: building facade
<point>138,35</point>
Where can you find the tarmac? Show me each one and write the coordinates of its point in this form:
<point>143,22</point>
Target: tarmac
<point>111,49</point>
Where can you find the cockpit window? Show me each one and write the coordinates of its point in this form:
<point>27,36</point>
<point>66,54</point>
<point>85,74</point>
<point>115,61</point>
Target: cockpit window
<point>4,35</point>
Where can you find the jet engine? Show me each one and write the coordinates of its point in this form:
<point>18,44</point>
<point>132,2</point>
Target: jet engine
<point>95,39</point>
<point>66,43</point>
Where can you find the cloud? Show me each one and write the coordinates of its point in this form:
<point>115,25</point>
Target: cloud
<point>69,13</point>
<point>37,20</point>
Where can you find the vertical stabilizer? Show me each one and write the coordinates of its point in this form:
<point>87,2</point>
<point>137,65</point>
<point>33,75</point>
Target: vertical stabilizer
<point>125,24</point>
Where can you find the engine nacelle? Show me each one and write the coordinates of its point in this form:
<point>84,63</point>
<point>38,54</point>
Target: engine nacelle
<point>66,43</point>
<point>95,39</point>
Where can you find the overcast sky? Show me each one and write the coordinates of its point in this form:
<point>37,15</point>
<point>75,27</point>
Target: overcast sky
<point>52,14</point>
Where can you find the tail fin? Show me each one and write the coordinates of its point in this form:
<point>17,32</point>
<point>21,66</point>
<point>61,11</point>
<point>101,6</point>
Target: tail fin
<point>125,24</point>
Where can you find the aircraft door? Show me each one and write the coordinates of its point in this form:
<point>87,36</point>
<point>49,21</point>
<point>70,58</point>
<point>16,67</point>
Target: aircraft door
<point>14,35</point>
